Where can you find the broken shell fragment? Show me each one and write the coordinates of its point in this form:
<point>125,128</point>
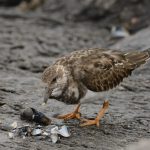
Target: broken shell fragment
<point>119,32</point>
<point>11,135</point>
<point>36,132</point>
<point>54,138</point>
<point>45,133</point>
<point>14,125</point>
<point>43,104</point>
<point>63,131</point>
<point>55,131</point>
<point>31,114</point>
<point>24,131</point>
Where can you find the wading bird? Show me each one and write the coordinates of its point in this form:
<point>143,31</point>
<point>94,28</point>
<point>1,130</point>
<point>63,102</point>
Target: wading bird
<point>69,78</point>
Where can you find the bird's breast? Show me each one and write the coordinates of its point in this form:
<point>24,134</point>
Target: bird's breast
<point>70,95</point>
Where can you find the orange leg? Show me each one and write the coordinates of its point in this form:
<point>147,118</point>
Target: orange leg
<point>76,114</point>
<point>101,113</point>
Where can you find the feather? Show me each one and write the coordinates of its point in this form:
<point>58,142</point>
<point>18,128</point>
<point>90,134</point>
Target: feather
<point>94,69</point>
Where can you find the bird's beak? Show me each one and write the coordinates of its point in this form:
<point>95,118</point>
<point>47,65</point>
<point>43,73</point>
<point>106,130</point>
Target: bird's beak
<point>46,95</point>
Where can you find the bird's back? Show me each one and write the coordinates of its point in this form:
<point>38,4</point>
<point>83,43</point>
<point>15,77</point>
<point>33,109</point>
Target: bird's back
<point>100,69</point>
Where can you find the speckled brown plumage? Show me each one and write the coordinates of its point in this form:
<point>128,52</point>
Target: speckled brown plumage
<point>95,69</point>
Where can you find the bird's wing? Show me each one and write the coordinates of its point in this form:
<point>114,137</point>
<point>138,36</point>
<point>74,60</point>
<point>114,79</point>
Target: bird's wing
<point>102,70</point>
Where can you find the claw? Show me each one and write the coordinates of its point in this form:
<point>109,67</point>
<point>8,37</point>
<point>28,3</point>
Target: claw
<point>95,121</point>
<point>74,115</point>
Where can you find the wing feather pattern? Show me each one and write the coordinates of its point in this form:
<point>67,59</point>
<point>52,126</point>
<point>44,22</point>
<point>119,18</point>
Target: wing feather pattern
<point>101,69</point>
<point>105,70</point>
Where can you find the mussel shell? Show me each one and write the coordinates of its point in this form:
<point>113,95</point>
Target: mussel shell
<point>31,114</point>
<point>40,118</point>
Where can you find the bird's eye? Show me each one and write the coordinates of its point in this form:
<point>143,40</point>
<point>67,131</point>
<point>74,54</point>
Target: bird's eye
<point>54,79</point>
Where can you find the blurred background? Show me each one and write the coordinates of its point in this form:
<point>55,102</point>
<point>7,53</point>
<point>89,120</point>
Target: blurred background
<point>54,27</point>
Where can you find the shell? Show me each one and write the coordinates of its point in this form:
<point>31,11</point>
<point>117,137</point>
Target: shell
<point>24,131</point>
<point>36,132</point>
<point>54,138</point>
<point>45,133</point>
<point>119,32</point>
<point>31,114</point>
<point>14,125</point>
<point>63,131</point>
<point>54,130</point>
<point>11,135</point>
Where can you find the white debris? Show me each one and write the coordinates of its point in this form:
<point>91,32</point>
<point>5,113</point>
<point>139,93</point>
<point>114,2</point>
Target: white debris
<point>14,125</point>
<point>55,131</point>
<point>36,132</point>
<point>54,138</point>
<point>43,104</point>
<point>45,134</point>
<point>119,32</point>
<point>64,131</point>
<point>11,135</point>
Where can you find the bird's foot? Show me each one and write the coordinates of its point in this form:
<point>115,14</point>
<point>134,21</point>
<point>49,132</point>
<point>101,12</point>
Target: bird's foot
<point>74,115</point>
<point>95,121</point>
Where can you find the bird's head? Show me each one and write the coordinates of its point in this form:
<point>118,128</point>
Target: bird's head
<point>61,85</point>
<point>56,80</point>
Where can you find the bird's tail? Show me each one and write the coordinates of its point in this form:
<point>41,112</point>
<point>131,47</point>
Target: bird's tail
<point>138,57</point>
